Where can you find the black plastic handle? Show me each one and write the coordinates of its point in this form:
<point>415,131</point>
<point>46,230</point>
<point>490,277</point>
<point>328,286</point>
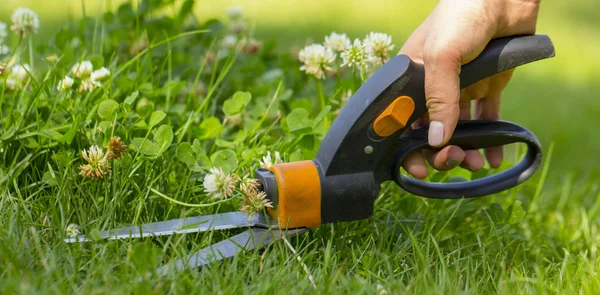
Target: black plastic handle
<point>504,54</point>
<point>476,134</point>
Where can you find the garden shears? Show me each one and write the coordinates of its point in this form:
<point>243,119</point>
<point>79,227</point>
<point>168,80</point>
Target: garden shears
<point>365,147</point>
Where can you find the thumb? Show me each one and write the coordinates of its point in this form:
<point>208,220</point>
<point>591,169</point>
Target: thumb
<point>442,91</point>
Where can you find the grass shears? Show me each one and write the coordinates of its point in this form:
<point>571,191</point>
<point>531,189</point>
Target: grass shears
<point>365,147</point>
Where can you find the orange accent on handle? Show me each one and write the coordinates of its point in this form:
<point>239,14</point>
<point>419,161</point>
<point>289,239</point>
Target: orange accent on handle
<point>394,117</point>
<point>299,190</point>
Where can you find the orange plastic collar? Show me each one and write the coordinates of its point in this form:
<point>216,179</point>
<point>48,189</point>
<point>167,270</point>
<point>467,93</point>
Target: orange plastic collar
<point>299,189</point>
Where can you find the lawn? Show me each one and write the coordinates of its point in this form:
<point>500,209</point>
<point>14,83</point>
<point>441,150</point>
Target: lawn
<point>168,106</point>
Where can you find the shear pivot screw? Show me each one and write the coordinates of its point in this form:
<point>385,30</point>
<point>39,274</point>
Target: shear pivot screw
<point>368,150</point>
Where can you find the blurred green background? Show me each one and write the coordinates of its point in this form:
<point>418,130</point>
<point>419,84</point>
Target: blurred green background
<point>557,99</point>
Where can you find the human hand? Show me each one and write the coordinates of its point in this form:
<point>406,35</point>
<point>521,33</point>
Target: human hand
<point>455,33</point>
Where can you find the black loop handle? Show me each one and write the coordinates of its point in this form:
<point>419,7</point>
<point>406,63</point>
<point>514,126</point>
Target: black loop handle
<point>476,134</point>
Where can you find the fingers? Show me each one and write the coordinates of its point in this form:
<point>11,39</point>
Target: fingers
<point>414,164</point>
<point>488,108</point>
<point>447,158</point>
<point>473,159</point>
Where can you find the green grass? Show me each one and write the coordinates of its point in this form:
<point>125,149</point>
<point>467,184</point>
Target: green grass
<point>541,237</point>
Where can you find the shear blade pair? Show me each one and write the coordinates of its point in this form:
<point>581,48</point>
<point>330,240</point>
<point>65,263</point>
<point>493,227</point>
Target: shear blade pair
<point>263,231</point>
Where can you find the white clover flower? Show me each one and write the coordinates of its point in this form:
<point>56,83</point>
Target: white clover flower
<point>87,85</point>
<point>337,42</point>
<point>3,32</point>
<point>317,59</point>
<point>4,50</point>
<point>235,12</point>
<point>72,230</point>
<point>249,185</point>
<point>356,56</point>
<point>20,72</point>
<point>255,202</point>
<point>100,75</point>
<point>65,84</point>
<point>229,41</point>
<point>218,184</point>
<point>83,69</point>
<point>25,21</point>
<point>97,163</point>
<point>268,161</point>
<point>378,47</point>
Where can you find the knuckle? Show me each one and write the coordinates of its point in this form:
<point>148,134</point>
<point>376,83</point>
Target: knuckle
<point>435,103</point>
<point>433,54</point>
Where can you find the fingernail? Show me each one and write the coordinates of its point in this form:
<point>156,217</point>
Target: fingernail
<point>453,162</point>
<point>436,133</point>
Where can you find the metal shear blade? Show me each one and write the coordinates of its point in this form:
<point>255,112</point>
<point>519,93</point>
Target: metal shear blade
<point>249,240</point>
<point>221,221</point>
